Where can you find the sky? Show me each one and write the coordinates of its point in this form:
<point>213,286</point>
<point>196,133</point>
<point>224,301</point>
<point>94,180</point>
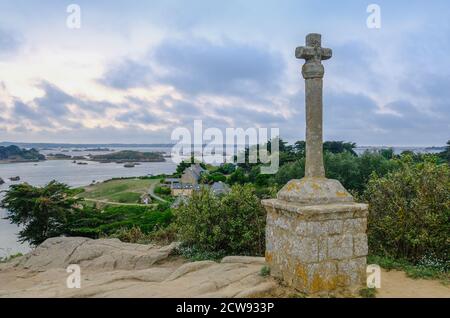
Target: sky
<point>136,70</point>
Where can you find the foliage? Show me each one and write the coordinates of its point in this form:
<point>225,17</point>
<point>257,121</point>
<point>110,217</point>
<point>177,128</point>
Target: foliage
<point>423,270</point>
<point>352,171</point>
<point>239,176</point>
<point>265,271</point>
<point>93,223</point>
<point>368,292</point>
<point>339,147</point>
<point>15,153</point>
<point>446,153</point>
<point>195,253</point>
<point>216,177</point>
<point>42,212</point>
<point>129,235</point>
<point>410,212</point>
<point>162,190</point>
<point>10,257</point>
<point>226,168</point>
<point>233,223</point>
<point>130,155</point>
<point>162,235</point>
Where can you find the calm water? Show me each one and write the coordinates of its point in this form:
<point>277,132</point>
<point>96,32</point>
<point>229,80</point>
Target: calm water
<point>67,172</point>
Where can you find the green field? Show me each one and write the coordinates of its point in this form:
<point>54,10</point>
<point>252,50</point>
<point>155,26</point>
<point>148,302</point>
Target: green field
<point>126,191</point>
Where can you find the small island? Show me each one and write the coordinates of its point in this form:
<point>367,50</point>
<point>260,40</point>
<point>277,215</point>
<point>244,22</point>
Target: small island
<point>127,156</point>
<point>11,154</point>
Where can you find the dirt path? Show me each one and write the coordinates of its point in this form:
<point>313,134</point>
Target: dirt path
<point>151,192</point>
<point>117,203</point>
<point>396,284</point>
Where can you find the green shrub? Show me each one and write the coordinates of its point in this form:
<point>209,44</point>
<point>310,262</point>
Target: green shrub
<point>10,257</point>
<point>131,235</point>
<point>265,271</point>
<point>409,216</point>
<point>162,190</point>
<point>93,223</point>
<point>368,292</point>
<point>230,224</point>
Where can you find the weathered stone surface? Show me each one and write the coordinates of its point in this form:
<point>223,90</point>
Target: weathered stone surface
<point>306,249</point>
<point>340,247</point>
<point>314,191</point>
<point>334,227</point>
<point>42,273</point>
<point>106,254</point>
<point>244,260</point>
<point>352,272</point>
<point>357,225</point>
<point>360,246</point>
<point>309,212</point>
<point>313,72</point>
<point>305,244</point>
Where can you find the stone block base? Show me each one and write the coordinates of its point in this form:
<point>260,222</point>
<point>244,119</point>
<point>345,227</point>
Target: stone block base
<point>317,248</point>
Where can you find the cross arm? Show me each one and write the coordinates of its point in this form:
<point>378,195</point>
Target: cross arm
<point>309,53</point>
<point>304,52</point>
<point>326,54</point>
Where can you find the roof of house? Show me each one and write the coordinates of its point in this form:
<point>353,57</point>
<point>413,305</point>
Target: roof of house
<point>180,186</point>
<point>195,168</point>
<point>172,179</point>
<point>220,187</point>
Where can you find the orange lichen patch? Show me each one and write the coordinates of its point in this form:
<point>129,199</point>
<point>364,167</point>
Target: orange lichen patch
<point>302,274</point>
<point>315,186</point>
<point>341,194</point>
<point>269,257</point>
<point>292,186</point>
<point>320,284</point>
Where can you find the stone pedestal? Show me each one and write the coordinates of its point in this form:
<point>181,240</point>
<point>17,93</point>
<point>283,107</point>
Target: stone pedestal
<point>316,236</point>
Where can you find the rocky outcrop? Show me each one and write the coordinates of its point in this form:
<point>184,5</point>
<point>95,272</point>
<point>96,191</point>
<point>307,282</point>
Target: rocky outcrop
<point>110,268</point>
<point>1,181</point>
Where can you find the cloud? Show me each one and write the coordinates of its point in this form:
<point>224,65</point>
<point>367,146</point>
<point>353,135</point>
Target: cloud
<point>127,74</point>
<point>9,42</point>
<point>54,102</point>
<point>198,66</point>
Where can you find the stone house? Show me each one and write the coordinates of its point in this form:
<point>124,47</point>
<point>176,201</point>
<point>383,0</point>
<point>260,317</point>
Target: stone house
<point>184,189</point>
<point>192,174</point>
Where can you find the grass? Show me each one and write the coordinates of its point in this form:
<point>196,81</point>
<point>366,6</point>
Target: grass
<point>195,254</point>
<point>119,190</point>
<point>9,258</point>
<point>265,271</point>
<point>411,270</point>
<point>368,292</point>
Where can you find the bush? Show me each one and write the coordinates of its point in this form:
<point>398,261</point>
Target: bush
<point>162,190</point>
<point>352,171</point>
<point>409,216</point>
<point>113,219</point>
<point>230,224</point>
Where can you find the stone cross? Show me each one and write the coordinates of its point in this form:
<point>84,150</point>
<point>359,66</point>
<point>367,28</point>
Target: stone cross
<point>316,238</point>
<point>313,72</point>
